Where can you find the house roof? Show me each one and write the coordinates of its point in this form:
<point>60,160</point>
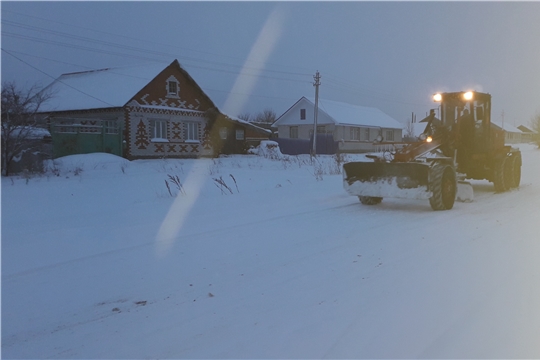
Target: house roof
<point>97,89</point>
<point>249,125</point>
<point>506,127</point>
<point>525,129</point>
<point>355,115</point>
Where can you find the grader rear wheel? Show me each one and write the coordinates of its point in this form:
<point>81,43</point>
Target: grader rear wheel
<point>499,178</point>
<point>512,175</point>
<point>507,173</point>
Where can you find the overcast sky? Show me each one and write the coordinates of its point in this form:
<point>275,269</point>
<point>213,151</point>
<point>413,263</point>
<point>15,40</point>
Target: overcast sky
<point>249,56</point>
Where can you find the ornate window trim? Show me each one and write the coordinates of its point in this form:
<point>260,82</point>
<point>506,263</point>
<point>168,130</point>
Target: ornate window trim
<point>172,88</point>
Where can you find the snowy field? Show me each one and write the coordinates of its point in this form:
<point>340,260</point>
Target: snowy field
<point>100,259</point>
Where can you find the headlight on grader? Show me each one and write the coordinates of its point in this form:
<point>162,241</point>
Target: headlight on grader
<point>429,139</point>
<point>437,97</point>
<point>468,95</point>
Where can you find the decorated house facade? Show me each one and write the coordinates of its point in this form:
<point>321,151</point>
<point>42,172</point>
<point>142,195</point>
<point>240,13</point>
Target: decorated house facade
<point>141,112</point>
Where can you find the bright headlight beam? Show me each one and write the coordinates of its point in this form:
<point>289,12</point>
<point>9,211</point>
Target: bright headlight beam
<point>468,95</point>
<point>437,97</point>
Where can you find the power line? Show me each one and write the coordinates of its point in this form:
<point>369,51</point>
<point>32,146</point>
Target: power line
<point>127,47</point>
<point>370,92</point>
<point>204,88</point>
<point>336,83</point>
<point>109,52</point>
<point>35,68</point>
<point>155,43</point>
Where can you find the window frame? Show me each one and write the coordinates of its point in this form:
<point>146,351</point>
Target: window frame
<point>355,134</point>
<point>293,130</point>
<point>192,131</point>
<point>168,83</point>
<point>367,134</point>
<point>111,126</point>
<point>240,134</point>
<point>223,132</point>
<point>158,126</point>
<point>169,86</point>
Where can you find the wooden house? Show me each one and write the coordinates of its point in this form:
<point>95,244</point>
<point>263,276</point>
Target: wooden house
<point>141,112</point>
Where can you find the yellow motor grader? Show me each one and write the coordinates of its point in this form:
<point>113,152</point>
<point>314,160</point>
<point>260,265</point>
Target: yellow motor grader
<point>462,144</point>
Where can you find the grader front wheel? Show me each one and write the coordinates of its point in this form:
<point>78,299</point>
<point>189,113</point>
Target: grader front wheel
<point>370,200</point>
<point>443,185</point>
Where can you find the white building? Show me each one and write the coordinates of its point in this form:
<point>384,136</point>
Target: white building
<point>512,135</point>
<point>355,127</point>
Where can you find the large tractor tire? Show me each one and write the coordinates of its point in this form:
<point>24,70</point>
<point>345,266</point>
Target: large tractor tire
<point>443,185</point>
<point>370,200</point>
<point>512,175</point>
<point>499,178</point>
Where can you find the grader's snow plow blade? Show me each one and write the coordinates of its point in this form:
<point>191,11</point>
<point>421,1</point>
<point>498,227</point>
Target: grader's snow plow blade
<point>383,179</point>
<point>373,181</point>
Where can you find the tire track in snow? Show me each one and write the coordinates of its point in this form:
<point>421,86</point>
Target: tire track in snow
<point>152,243</point>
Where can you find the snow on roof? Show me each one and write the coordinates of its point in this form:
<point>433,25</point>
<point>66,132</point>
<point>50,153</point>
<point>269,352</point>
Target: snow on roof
<point>249,124</point>
<point>105,88</point>
<point>348,114</point>
<point>525,129</point>
<point>506,126</point>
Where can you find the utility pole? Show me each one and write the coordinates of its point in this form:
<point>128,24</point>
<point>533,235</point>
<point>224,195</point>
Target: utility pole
<point>317,78</point>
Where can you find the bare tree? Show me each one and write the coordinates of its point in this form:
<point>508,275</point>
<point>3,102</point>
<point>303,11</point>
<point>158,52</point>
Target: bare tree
<point>266,116</point>
<point>245,116</point>
<point>19,116</point>
<point>408,134</point>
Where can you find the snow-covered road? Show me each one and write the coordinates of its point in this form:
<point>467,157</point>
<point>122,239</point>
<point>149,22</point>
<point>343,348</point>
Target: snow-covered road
<point>287,266</point>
